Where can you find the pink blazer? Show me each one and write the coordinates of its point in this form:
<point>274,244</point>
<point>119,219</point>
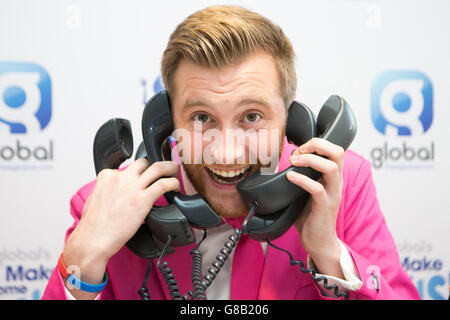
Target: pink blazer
<point>360,226</point>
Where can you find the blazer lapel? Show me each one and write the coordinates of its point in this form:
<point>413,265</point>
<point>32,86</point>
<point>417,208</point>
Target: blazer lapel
<point>280,280</point>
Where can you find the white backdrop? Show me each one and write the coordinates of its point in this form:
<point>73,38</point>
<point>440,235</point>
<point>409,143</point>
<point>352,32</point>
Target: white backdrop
<point>67,66</point>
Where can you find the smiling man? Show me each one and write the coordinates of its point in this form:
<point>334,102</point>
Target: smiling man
<point>228,69</point>
<point>241,98</point>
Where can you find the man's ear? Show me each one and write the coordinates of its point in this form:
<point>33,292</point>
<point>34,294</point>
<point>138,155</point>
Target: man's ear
<point>290,100</point>
<point>289,103</point>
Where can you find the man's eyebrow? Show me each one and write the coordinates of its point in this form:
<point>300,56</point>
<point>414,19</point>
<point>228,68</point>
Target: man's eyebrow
<point>194,103</point>
<point>258,101</point>
<point>244,102</point>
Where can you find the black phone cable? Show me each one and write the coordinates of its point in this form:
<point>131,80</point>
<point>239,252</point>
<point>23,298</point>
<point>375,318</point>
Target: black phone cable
<point>198,292</point>
<point>167,274</point>
<point>225,252</point>
<point>221,258</point>
<point>143,291</point>
<point>316,279</point>
<point>200,286</point>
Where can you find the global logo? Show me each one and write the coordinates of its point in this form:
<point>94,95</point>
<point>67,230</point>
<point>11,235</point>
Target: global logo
<point>402,103</point>
<point>25,97</point>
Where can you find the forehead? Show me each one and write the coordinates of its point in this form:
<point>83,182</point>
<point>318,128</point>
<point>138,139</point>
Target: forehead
<point>255,75</point>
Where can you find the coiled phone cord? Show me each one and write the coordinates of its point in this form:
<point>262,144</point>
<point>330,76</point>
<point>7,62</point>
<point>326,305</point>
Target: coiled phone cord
<point>221,258</point>
<point>225,252</point>
<point>143,291</point>
<point>199,285</point>
<point>198,292</point>
<point>316,279</point>
<point>167,274</point>
<point>169,277</point>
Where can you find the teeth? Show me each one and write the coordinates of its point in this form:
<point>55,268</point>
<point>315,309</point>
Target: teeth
<point>228,174</point>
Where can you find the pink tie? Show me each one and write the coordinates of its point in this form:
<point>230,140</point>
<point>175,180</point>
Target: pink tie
<point>247,268</point>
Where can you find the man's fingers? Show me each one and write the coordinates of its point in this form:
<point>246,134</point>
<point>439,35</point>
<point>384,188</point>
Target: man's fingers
<point>138,166</point>
<point>161,186</point>
<point>328,168</point>
<point>315,188</point>
<point>157,170</point>
<point>324,148</point>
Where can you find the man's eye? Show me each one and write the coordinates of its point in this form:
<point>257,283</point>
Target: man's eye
<point>201,117</point>
<point>252,117</point>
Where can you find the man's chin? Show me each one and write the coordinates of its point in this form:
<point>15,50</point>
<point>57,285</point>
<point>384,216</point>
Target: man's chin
<point>227,203</point>
<point>225,210</point>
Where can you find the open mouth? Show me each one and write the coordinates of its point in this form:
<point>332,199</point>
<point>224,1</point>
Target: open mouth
<point>228,176</point>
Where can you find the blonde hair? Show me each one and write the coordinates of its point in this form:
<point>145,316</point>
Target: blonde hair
<point>218,36</point>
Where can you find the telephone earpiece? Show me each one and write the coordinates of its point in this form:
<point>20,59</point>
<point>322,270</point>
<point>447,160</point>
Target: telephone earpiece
<point>337,124</point>
<point>156,128</point>
<point>274,193</point>
<point>113,144</point>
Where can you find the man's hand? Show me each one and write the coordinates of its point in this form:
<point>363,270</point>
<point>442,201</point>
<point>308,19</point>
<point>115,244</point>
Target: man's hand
<point>113,213</point>
<point>317,223</point>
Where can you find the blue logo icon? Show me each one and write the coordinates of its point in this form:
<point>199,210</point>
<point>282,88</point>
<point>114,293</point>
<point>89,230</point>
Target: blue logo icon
<point>402,103</point>
<point>158,85</point>
<point>25,97</point>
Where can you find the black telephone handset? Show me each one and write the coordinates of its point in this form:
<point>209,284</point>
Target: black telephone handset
<point>277,202</point>
<point>156,128</point>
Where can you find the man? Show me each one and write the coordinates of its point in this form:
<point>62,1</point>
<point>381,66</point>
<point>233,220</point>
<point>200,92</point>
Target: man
<point>226,68</point>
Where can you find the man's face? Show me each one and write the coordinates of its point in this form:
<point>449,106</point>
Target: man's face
<point>235,121</point>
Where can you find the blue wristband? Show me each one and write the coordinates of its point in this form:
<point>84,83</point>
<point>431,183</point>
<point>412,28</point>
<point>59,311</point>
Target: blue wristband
<point>86,286</point>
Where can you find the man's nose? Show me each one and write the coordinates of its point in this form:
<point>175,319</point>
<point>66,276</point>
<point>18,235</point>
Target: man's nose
<point>230,149</point>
